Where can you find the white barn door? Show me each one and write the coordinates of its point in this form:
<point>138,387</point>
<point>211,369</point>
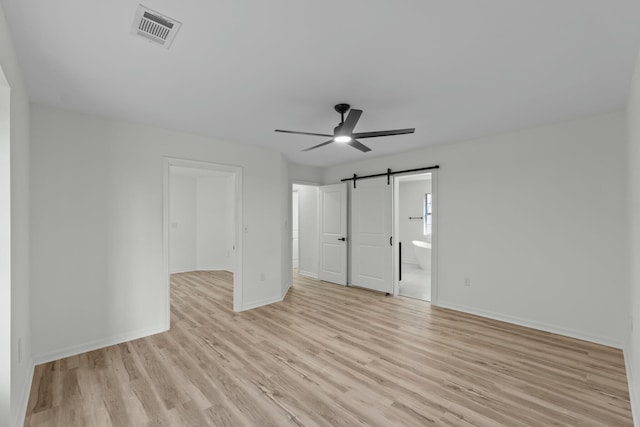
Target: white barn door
<point>372,245</point>
<point>333,233</point>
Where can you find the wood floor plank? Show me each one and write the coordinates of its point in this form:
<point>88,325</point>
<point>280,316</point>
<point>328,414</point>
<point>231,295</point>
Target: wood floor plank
<point>330,355</point>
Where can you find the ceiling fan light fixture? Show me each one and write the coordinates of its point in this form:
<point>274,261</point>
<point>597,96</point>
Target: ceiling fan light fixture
<point>342,138</point>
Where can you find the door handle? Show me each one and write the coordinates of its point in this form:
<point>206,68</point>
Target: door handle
<point>391,241</point>
<point>343,239</point>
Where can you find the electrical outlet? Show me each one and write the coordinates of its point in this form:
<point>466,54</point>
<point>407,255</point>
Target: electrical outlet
<point>467,281</point>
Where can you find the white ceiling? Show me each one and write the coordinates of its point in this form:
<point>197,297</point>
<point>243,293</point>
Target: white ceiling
<point>238,69</point>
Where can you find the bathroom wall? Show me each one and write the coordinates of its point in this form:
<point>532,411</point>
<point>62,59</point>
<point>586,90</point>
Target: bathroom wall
<point>411,205</point>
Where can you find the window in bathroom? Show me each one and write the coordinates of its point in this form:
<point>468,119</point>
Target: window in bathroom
<point>426,214</point>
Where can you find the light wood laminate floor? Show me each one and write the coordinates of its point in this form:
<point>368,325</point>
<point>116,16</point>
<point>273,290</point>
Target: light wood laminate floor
<point>332,356</point>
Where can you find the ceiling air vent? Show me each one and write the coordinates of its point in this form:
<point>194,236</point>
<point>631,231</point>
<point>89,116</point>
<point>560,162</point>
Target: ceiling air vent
<point>154,26</point>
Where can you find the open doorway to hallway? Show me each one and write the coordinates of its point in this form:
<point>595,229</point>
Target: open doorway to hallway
<point>305,232</point>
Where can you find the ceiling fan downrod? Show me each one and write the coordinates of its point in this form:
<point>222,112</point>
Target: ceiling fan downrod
<point>342,108</point>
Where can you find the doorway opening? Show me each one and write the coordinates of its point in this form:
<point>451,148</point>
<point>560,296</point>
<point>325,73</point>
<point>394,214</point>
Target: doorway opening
<point>304,229</point>
<point>202,211</point>
<point>414,226</point>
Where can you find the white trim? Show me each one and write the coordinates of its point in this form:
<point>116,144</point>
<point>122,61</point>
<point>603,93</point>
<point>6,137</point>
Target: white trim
<point>18,419</point>
<point>541,326</point>
<point>633,393</point>
<point>188,270</point>
<point>266,301</point>
<point>6,240</point>
<point>95,345</point>
<point>213,268</point>
<point>395,218</point>
<point>239,220</point>
<point>308,274</point>
<point>435,220</point>
<point>202,269</point>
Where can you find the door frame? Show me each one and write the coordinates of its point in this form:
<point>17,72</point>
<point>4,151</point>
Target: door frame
<point>434,233</point>
<point>237,273</point>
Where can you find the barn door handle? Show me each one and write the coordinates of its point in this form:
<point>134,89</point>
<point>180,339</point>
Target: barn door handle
<point>391,241</point>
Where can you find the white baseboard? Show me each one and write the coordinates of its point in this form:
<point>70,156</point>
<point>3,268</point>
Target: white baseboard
<point>50,356</point>
<point>213,268</point>
<point>308,274</point>
<point>571,333</point>
<point>633,393</point>
<point>18,418</point>
<point>265,301</point>
<point>188,270</point>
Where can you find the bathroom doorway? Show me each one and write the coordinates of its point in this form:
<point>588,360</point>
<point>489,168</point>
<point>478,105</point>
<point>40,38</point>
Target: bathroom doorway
<point>415,226</point>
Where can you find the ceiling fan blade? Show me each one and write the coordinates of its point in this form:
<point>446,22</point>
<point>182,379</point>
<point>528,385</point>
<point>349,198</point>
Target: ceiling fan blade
<point>350,122</point>
<point>303,133</point>
<point>319,145</point>
<point>383,133</point>
<point>360,146</point>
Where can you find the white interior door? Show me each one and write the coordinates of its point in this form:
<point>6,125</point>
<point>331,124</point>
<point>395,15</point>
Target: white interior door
<point>333,233</point>
<point>371,225</point>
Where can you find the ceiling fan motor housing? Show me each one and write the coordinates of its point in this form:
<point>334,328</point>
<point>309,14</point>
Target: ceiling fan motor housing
<point>342,108</point>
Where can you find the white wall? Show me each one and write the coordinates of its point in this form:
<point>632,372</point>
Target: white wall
<point>632,351</point>
<point>215,224</point>
<point>308,217</point>
<point>202,222</point>
<point>284,191</point>
<point>537,220</point>
<point>304,173</point>
<point>97,234</point>
<point>411,204</point>
<point>13,393</point>
<point>183,225</point>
